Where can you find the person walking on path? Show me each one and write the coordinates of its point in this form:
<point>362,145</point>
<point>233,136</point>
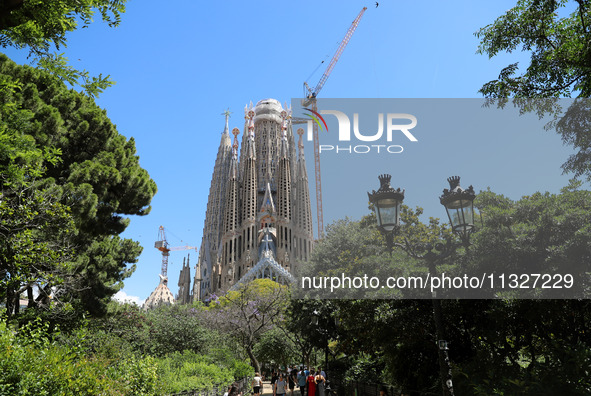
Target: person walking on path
<point>292,379</point>
<point>320,382</point>
<point>257,384</point>
<point>273,380</point>
<point>312,383</point>
<point>302,380</point>
<point>280,385</point>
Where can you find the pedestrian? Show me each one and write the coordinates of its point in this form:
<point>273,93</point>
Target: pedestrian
<point>257,384</point>
<point>312,383</point>
<point>383,391</point>
<point>280,386</point>
<point>274,377</point>
<point>302,380</point>
<point>320,382</point>
<point>292,378</point>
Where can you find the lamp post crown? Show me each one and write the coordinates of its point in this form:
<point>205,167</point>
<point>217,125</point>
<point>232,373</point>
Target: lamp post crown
<point>385,181</point>
<point>456,192</point>
<point>454,181</point>
<point>386,188</point>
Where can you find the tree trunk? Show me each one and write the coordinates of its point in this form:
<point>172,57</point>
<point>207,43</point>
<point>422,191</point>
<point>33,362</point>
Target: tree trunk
<point>253,360</point>
<point>9,302</point>
<point>30,297</point>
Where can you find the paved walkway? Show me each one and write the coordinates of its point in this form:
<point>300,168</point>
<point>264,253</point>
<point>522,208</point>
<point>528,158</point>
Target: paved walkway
<point>267,391</point>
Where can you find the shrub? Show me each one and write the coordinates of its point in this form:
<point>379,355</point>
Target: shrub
<point>33,364</point>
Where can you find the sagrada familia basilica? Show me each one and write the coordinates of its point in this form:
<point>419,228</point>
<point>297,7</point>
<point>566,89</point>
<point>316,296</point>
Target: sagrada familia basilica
<point>258,221</point>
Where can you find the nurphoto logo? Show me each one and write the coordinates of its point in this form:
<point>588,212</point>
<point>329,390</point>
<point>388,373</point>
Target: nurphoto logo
<point>396,124</point>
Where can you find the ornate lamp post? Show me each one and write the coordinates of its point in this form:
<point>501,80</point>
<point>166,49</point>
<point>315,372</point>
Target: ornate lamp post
<point>387,203</point>
<point>459,204</point>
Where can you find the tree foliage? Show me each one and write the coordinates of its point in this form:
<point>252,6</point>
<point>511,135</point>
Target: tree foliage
<point>557,34</point>
<point>35,228</point>
<point>42,26</point>
<point>559,45</point>
<point>497,346</point>
<point>33,363</point>
<point>98,177</point>
<point>249,312</point>
<point>541,233</point>
<point>276,348</point>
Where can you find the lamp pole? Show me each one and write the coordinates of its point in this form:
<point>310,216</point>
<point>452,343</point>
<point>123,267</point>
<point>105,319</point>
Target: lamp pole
<point>459,205</point>
<point>324,331</point>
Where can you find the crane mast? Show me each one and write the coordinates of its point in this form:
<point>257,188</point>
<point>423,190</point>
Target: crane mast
<point>310,101</point>
<point>162,245</point>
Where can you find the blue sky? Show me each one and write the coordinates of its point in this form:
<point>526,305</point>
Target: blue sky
<point>179,65</point>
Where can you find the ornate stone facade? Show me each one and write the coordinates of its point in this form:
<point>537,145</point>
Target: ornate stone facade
<point>258,216</point>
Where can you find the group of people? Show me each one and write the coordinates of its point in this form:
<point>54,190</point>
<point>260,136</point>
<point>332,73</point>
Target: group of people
<point>310,382</point>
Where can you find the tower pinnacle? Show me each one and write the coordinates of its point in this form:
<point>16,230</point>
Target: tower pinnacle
<point>227,114</point>
<point>300,132</point>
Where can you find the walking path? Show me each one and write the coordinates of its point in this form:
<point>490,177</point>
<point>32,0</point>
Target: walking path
<point>267,390</point>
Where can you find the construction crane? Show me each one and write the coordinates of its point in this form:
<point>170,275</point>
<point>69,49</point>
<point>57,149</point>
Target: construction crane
<point>162,245</point>
<point>310,102</point>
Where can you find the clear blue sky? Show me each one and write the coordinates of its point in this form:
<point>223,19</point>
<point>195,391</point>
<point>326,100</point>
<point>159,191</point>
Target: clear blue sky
<point>179,65</point>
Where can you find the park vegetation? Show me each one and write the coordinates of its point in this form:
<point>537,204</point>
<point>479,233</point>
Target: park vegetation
<point>70,179</point>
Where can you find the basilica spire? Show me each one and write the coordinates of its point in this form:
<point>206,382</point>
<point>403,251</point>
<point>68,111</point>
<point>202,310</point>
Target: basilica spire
<point>214,215</point>
<point>227,128</point>
<point>303,210</point>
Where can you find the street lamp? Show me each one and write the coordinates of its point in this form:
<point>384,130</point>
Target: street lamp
<point>386,202</point>
<point>315,317</point>
<point>324,332</point>
<point>459,205</point>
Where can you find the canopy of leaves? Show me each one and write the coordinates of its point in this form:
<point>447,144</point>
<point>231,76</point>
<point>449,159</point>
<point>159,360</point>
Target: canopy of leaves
<point>35,228</point>
<point>41,26</point>
<point>496,346</point>
<point>98,177</point>
<point>542,233</point>
<point>559,45</point>
<point>248,313</point>
<point>557,34</point>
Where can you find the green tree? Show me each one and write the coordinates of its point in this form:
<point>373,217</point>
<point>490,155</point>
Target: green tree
<point>560,66</point>
<point>398,334</point>
<point>500,346</point>
<point>98,177</point>
<point>274,347</point>
<point>35,228</point>
<point>530,345</point>
<point>42,26</point>
<point>559,46</point>
<point>248,313</point>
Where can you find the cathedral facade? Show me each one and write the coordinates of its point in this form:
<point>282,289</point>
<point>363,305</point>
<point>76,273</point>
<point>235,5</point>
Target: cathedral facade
<point>258,221</point>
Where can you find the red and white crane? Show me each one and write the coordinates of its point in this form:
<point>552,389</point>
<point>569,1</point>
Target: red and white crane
<point>310,101</point>
<point>162,245</point>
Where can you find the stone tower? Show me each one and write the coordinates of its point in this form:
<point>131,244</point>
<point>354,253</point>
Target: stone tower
<point>184,295</point>
<point>258,221</point>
